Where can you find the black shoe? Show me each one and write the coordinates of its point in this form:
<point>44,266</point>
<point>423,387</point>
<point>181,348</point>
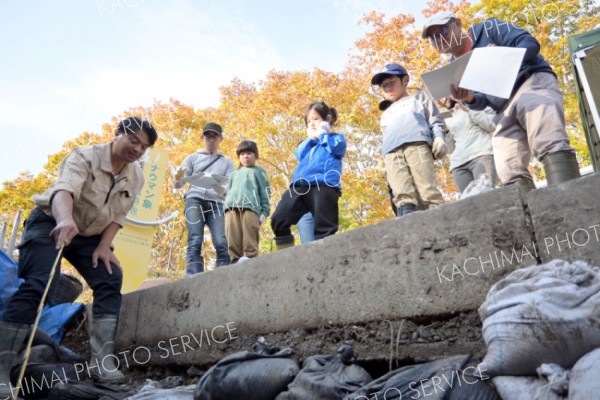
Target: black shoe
<point>284,242</point>
<point>405,209</point>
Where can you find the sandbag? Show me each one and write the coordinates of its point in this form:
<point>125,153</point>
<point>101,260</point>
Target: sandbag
<point>523,388</point>
<point>153,390</point>
<point>541,314</point>
<point>258,375</point>
<point>482,184</point>
<point>61,353</point>
<point>65,289</point>
<point>88,391</point>
<point>585,377</point>
<point>451,378</point>
<point>327,377</point>
<point>552,383</point>
<point>43,371</point>
<point>49,364</point>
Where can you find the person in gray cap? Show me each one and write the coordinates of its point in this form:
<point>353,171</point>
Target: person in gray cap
<point>413,133</point>
<point>204,205</point>
<point>532,119</point>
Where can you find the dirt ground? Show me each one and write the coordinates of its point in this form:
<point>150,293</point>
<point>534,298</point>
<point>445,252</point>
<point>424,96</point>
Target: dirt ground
<point>380,346</point>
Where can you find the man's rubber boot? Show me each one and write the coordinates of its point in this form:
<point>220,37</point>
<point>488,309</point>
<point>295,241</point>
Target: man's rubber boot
<point>284,242</point>
<point>525,184</point>
<point>560,167</point>
<point>102,366</point>
<point>12,338</point>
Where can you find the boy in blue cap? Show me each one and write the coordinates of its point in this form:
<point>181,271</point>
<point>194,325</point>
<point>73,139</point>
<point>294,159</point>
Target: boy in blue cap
<point>413,132</point>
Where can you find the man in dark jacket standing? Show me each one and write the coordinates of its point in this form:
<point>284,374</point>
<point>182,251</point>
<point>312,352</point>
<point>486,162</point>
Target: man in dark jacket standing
<point>532,119</point>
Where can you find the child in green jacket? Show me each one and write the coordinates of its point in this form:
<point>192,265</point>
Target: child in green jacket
<point>246,204</point>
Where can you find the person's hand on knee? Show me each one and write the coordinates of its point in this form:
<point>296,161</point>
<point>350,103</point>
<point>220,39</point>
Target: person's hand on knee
<point>104,253</point>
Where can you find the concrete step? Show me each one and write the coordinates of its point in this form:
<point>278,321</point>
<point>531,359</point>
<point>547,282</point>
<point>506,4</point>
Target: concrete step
<point>424,275</point>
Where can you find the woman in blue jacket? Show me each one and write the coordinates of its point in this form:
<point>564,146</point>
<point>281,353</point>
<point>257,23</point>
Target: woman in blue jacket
<point>315,187</point>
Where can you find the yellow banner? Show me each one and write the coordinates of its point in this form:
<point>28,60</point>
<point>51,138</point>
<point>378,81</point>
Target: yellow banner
<point>133,243</point>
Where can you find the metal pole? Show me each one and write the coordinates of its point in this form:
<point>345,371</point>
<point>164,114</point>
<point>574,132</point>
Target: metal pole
<point>13,236</point>
<point>3,235</point>
<point>170,253</point>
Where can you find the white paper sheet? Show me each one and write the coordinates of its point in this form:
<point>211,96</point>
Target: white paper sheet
<point>490,70</point>
<point>207,181</point>
<point>439,80</point>
<point>493,70</point>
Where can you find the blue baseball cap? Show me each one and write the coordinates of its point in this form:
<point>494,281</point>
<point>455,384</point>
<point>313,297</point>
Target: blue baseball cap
<point>389,69</point>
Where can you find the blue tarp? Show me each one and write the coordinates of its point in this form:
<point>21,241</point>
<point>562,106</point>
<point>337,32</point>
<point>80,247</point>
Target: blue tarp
<point>9,279</point>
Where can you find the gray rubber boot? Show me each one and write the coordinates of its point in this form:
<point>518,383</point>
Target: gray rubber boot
<point>525,184</point>
<point>284,242</point>
<point>560,167</point>
<point>102,366</point>
<point>12,338</point>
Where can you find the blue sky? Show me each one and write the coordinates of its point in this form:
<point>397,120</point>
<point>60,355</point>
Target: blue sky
<point>68,66</point>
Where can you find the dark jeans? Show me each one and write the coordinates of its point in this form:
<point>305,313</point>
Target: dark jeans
<point>321,201</point>
<point>37,253</point>
<point>198,213</point>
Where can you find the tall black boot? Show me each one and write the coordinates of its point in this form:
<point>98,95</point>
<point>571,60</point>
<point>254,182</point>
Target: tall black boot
<point>560,167</point>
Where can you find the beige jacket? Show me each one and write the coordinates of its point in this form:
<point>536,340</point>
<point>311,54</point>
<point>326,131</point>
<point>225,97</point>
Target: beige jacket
<point>99,197</point>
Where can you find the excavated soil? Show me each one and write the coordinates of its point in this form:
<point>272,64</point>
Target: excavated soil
<point>380,346</point>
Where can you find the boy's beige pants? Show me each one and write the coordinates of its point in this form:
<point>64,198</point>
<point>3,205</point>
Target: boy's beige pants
<point>410,171</point>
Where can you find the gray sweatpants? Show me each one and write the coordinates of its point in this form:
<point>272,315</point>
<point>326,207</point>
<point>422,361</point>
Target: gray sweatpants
<point>532,122</point>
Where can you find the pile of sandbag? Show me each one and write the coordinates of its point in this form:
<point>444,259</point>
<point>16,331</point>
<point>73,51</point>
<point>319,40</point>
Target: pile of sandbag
<point>252,375</point>
<point>539,321</point>
<point>269,373</point>
<point>448,378</point>
<point>327,377</point>
<point>273,374</point>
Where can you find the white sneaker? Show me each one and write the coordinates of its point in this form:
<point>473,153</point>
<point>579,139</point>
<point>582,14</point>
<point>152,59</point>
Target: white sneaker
<point>243,258</point>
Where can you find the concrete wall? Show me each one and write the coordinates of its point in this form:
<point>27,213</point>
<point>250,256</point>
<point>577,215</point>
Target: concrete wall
<point>566,220</point>
<point>402,288</point>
